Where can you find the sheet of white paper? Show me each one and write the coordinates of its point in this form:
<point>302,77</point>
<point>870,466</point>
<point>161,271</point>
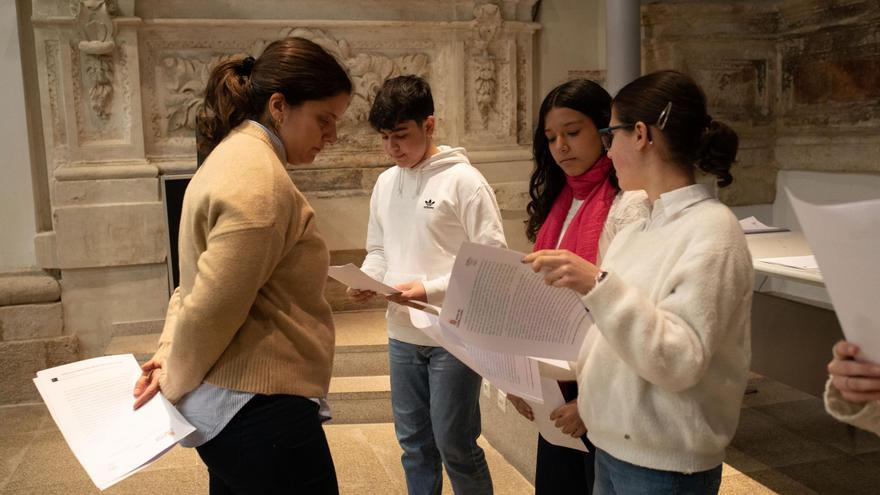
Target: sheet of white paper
<point>555,362</point>
<point>845,239</point>
<point>552,400</point>
<point>752,225</point>
<point>353,277</point>
<point>496,302</point>
<point>513,374</point>
<point>91,402</point>
<point>799,262</point>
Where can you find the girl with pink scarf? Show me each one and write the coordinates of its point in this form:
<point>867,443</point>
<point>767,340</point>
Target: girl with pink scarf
<point>575,205</point>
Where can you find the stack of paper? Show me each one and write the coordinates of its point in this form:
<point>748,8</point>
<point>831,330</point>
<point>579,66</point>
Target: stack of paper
<point>91,402</point>
<point>800,262</point>
<point>752,225</point>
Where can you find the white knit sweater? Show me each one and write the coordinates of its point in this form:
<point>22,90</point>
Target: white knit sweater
<point>862,415</point>
<point>663,370</point>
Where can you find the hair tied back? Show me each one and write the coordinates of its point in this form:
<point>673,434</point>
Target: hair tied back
<point>247,65</point>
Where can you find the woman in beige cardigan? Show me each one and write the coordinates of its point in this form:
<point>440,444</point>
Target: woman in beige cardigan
<point>247,347</point>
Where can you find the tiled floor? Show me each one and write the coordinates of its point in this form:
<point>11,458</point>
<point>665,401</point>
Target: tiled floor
<point>785,444</point>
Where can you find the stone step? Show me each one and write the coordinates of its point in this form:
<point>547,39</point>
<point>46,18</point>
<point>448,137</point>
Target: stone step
<point>28,288</point>
<point>361,343</point>
<point>31,321</point>
<point>139,327</point>
<point>360,399</point>
<point>142,346</point>
<point>20,360</point>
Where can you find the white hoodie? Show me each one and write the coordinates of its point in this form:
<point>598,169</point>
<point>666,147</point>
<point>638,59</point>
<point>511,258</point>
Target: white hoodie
<point>418,219</point>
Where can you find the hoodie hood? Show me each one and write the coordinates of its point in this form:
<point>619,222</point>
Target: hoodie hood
<point>446,157</point>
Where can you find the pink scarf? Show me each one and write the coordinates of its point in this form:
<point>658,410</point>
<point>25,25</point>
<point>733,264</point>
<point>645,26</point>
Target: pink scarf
<point>582,235</point>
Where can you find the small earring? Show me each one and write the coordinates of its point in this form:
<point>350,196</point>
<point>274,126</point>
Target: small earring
<point>276,125</point>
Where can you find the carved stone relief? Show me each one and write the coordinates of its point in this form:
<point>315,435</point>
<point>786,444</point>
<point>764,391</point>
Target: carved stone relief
<point>94,107</point>
<point>487,23</point>
<point>53,87</point>
<point>368,71</point>
<point>95,20</point>
<point>182,73</point>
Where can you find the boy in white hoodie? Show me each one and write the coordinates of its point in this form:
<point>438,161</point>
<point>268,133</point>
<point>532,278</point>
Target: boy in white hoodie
<point>421,211</point>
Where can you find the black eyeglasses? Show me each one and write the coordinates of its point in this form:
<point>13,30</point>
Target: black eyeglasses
<point>607,133</point>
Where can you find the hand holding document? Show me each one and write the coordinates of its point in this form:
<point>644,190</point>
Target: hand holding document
<point>353,277</point>
<point>845,239</point>
<point>552,400</point>
<point>494,301</point>
<point>91,402</point>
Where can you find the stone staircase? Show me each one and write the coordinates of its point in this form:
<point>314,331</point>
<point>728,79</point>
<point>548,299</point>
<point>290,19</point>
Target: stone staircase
<point>360,390</point>
<point>32,334</point>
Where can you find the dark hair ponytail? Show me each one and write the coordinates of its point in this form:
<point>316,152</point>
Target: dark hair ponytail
<point>226,104</point>
<point>548,179</point>
<point>693,138</point>
<point>718,147</point>
<point>240,89</point>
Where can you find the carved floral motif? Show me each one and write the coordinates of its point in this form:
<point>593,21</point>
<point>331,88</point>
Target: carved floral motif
<point>95,19</point>
<point>184,77</point>
<point>185,83</point>
<point>368,70</point>
<point>487,22</point>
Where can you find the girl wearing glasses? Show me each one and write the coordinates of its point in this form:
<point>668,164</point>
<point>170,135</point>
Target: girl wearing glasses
<point>576,205</point>
<point>663,371</point>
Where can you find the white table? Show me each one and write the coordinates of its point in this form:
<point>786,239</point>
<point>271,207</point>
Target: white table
<point>778,244</point>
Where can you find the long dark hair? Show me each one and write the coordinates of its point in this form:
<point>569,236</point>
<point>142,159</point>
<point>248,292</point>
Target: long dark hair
<point>692,137</point>
<point>240,88</point>
<point>548,179</point>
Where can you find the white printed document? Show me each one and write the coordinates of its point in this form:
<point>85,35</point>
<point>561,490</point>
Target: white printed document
<point>800,262</point>
<point>552,400</point>
<point>494,301</point>
<point>353,277</point>
<point>752,225</point>
<point>845,239</point>
<point>91,402</point>
<point>517,375</point>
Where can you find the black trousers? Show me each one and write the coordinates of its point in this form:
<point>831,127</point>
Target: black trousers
<point>274,445</point>
<point>564,470</point>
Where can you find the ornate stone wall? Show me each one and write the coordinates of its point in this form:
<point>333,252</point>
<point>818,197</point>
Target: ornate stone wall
<point>798,79</point>
<point>120,81</point>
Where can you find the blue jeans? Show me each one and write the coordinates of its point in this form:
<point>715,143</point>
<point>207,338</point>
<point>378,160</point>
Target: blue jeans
<point>436,404</point>
<point>614,477</point>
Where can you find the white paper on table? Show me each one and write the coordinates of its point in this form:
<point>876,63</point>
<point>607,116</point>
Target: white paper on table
<point>845,238</point>
<point>800,262</point>
<point>752,225</point>
<point>496,302</point>
<point>91,402</point>
<point>514,374</point>
<point>353,277</point>
<point>552,400</point>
